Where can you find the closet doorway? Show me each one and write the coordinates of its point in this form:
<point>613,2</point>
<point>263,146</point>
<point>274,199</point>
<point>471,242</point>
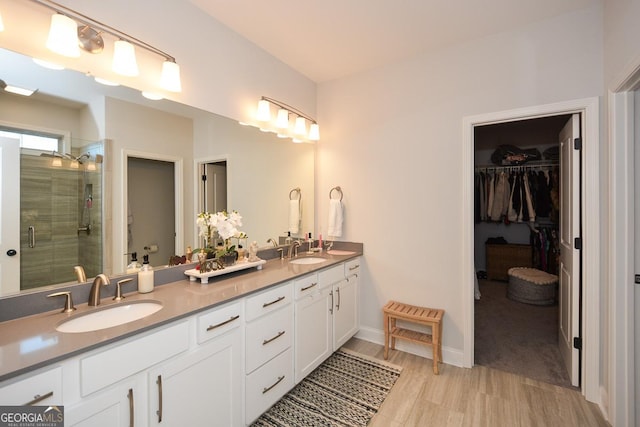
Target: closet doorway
<point>527,214</point>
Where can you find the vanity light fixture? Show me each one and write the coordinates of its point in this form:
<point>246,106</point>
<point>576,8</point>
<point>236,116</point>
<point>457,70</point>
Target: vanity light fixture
<point>71,31</point>
<point>263,114</point>
<point>1,24</point>
<point>105,81</point>
<point>152,96</point>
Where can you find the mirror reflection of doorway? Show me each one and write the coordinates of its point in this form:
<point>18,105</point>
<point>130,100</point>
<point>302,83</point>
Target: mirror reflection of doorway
<point>214,186</point>
<point>151,209</point>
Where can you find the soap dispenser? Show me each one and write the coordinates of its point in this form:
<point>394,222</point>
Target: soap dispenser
<point>134,266</point>
<point>145,276</point>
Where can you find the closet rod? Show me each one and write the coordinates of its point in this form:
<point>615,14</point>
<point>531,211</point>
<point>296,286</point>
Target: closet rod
<point>517,167</point>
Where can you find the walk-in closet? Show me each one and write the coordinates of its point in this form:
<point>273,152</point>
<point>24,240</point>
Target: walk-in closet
<point>517,183</point>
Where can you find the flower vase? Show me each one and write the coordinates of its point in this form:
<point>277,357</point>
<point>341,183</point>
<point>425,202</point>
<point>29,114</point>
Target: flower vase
<point>229,259</point>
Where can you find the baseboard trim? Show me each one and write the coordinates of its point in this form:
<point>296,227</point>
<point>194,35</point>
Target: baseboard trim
<point>450,356</point>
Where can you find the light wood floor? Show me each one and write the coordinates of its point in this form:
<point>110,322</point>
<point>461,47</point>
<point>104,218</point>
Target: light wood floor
<point>473,397</point>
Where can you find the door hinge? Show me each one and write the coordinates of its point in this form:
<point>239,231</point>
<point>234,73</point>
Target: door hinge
<point>577,343</point>
<point>577,143</point>
<point>204,177</point>
<point>577,243</point>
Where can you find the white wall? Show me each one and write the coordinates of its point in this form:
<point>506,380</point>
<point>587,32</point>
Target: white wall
<point>393,141</point>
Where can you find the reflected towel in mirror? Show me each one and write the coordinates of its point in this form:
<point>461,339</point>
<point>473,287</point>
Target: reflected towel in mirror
<point>335,218</point>
<point>294,215</point>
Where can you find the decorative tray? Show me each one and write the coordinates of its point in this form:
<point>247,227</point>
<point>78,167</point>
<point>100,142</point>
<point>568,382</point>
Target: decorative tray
<point>204,277</point>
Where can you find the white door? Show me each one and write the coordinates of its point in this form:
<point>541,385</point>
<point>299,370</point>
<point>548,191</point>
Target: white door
<point>313,332</point>
<point>345,312</point>
<point>9,216</point>
<point>569,277</point>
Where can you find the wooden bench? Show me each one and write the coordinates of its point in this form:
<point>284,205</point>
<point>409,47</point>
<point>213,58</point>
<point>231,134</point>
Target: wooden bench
<point>432,317</point>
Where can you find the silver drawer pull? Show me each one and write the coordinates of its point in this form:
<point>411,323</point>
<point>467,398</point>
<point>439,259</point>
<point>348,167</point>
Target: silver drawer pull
<point>231,319</point>
<point>308,287</point>
<point>159,411</point>
<point>32,236</point>
<point>354,267</point>
<point>131,410</point>
<point>266,389</point>
<point>265,342</point>
<point>267,304</point>
<point>38,398</point>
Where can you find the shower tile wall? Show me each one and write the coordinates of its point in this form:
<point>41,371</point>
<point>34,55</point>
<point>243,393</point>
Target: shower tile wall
<point>49,202</point>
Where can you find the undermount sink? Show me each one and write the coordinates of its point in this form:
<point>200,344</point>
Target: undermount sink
<point>107,317</point>
<point>307,260</point>
<point>339,252</point>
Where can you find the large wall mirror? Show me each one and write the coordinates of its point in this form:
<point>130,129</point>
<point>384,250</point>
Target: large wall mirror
<point>114,125</point>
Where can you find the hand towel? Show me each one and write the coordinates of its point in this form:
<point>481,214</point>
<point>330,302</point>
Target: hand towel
<point>335,218</point>
<point>294,215</point>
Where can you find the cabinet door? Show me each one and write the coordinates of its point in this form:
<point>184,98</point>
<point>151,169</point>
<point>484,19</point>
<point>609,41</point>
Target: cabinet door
<point>123,405</point>
<point>44,388</point>
<point>345,310</point>
<point>202,388</point>
<point>313,332</point>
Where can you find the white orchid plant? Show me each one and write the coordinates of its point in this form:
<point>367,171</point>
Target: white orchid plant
<point>226,225</point>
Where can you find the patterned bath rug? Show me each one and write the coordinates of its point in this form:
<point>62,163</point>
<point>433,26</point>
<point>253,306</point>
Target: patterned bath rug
<point>346,390</point>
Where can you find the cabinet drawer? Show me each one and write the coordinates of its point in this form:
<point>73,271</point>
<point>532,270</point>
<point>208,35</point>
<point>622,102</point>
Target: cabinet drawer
<point>268,337</point>
<point>219,321</point>
<point>331,275</point>
<point>306,285</point>
<point>44,388</point>
<point>268,301</point>
<point>116,363</point>
<point>268,384</point>
<point>352,267</point>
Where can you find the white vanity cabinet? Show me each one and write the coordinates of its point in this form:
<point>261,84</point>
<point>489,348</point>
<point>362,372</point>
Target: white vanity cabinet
<point>268,349</point>
<point>122,405</point>
<point>313,341</point>
<point>112,382</point>
<point>345,298</point>
<point>203,386</point>
<point>43,388</point>
<point>326,314</point>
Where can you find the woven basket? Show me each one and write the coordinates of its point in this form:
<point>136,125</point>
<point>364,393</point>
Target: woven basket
<point>532,286</point>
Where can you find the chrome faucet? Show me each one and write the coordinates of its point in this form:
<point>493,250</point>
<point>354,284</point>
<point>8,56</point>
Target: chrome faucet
<point>273,242</point>
<point>294,248</point>
<point>94,295</point>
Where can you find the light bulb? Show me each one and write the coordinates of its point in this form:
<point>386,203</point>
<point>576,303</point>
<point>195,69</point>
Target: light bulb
<point>63,36</point>
<point>282,121</point>
<point>314,132</point>
<point>170,79</point>
<point>300,126</point>
<point>264,111</point>
<point>124,59</point>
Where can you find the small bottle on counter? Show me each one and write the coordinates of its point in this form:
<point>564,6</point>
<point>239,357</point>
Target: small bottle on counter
<point>134,265</point>
<point>145,277</point>
<point>189,254</point>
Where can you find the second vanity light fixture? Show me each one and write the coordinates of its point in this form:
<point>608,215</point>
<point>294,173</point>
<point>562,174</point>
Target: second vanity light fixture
<point>67,37</point>
<point>263,115</point>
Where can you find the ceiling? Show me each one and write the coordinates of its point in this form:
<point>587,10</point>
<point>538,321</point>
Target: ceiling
<point>330,39</point>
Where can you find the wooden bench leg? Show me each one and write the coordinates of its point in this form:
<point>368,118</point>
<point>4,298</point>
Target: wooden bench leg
<point>435,331</point>
<point>393,339</point>
<point>386,335</point>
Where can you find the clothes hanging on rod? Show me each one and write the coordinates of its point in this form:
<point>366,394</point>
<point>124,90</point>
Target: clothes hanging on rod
<point>516,193</point>
<point>545,248</point>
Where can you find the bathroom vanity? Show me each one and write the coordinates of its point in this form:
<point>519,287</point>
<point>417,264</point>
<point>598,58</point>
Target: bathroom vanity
<point>215,354</point>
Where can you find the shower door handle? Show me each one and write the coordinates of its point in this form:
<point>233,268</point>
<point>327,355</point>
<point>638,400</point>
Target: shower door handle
<point>32,236</point>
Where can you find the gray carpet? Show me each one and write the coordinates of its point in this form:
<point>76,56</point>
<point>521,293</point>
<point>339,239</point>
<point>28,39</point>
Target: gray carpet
<point>516,337</point>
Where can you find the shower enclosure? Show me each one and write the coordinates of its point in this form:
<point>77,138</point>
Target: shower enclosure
<point>61,202</point>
